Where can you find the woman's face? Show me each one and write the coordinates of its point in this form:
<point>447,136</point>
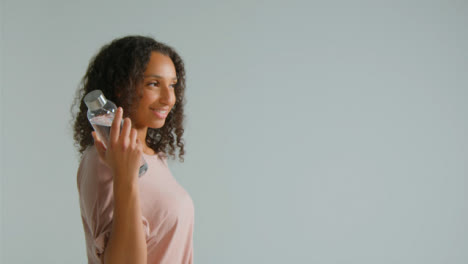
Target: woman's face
<point>157,92</point>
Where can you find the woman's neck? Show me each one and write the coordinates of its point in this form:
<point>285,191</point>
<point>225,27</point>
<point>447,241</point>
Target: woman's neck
<point>141,135</point>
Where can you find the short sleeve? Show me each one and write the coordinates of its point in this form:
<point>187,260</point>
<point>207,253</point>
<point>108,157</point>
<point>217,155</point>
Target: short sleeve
<point>95,188</point>
<point>100,241</point>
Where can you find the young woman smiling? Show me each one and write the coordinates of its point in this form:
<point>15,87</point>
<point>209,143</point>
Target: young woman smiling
<point>126,218</point>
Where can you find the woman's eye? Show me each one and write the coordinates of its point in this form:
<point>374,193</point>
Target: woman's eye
<point>152,84</point>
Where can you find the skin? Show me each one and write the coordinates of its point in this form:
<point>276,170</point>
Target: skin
<point>157,91</point>
<point>127,240</point>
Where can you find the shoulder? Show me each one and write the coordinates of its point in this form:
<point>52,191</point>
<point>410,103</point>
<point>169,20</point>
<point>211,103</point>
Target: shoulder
<point>162,156</point>
<point>92,166</point>
<point>89,157</point>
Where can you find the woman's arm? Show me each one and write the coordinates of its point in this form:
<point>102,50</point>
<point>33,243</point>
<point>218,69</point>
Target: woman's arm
<point>127,240</point>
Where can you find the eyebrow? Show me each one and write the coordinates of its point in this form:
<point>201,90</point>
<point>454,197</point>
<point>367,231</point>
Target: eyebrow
<point>158,76</point>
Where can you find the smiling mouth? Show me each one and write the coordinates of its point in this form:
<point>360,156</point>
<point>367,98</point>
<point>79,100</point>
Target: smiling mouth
<point>160,113</point>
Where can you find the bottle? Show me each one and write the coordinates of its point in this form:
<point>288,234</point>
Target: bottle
<point>101,113</point>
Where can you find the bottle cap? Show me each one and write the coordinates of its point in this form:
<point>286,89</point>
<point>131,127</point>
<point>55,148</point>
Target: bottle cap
<point>95,100</point>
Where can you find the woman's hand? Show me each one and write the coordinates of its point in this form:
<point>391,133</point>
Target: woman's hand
<point>127,242</point>
<point>123,153</point>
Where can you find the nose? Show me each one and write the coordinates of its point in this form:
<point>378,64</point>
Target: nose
<point>167,95</point>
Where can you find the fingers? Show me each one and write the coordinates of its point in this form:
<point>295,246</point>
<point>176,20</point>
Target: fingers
<point>122,136</point>
<point>125,133</point>
<point>133,138</point>
<point>115,128</point>
<point>138,144</point>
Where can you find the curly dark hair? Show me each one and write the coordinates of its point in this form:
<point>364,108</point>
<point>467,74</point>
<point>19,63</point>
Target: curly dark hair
<point>117,70</point>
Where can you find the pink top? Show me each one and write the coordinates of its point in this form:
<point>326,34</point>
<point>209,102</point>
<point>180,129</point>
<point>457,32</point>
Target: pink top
<point>167,210</point>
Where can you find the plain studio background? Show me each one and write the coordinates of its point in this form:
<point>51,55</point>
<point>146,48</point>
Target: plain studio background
<point>317,131</point>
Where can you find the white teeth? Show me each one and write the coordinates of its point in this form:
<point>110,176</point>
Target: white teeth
<point>159,111</point>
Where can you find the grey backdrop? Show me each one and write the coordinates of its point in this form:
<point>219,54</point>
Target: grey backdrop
<point>317,131</point>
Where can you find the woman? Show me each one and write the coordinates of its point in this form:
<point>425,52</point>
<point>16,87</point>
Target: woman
<point>126,218</point>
